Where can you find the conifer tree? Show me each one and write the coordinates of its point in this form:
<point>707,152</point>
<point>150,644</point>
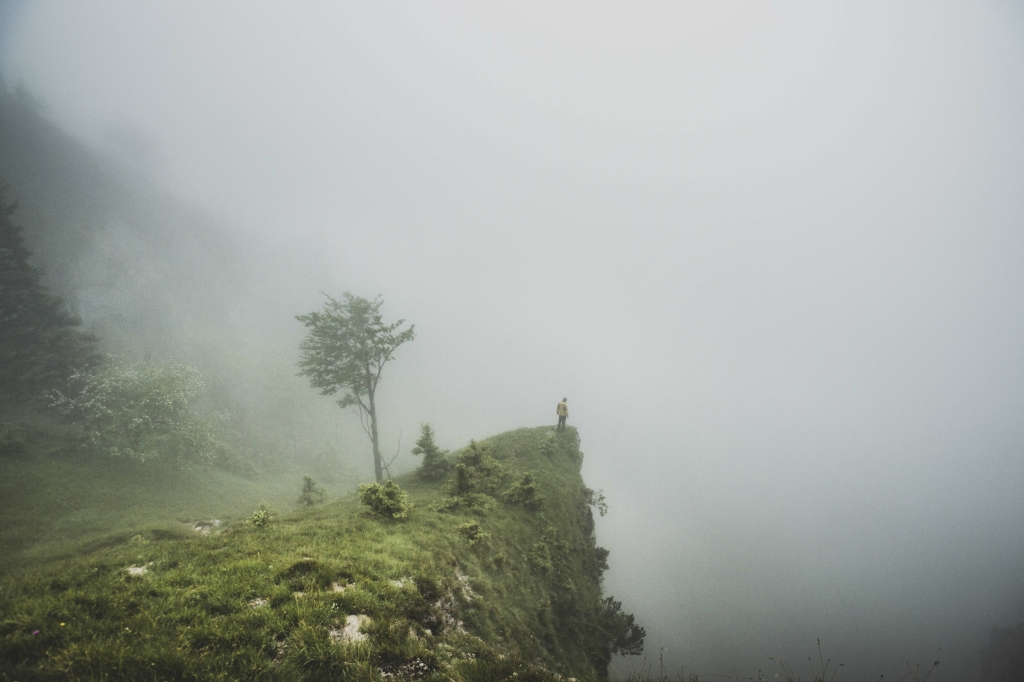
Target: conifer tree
<point>435,465</point>
<point>41,344</point>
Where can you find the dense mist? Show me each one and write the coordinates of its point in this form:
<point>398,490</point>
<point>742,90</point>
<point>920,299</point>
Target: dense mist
<point>771,252</point>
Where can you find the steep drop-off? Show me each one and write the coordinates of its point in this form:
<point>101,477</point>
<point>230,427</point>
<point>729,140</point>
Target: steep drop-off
<point>475,584</point>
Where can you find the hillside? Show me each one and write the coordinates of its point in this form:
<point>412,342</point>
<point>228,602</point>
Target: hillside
<point>476,586</point>
<point>158,279</point>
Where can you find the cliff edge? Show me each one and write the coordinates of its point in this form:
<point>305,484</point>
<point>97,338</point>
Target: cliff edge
<point>493,574</point>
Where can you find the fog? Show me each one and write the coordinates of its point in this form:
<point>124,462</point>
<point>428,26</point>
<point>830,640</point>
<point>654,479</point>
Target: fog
<point>771,252</point>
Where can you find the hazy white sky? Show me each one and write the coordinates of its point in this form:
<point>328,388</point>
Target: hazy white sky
<point>772,253</point>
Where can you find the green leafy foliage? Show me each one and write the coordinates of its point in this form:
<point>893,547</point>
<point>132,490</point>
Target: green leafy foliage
<point>388,499</point>
<point>142,412</point>
<point>524,493</point>
<point>312,494</point>
<point>41,344</point>
<point>435,465</point>
<point>259,518</point>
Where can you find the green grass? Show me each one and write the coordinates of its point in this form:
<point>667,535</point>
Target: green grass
<point>251,603</point>
<point>55,503</point>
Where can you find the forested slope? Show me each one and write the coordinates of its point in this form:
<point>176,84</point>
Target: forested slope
<point>160,281</point>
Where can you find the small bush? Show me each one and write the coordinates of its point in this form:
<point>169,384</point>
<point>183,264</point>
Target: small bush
<point>311,493</point>
<point>476,471</point>
<point>540,558</point>
<point>472,532</point>
<point>259,518</point>
<point>472,502</point>
<point>388,500</point>
<point>524,494</point>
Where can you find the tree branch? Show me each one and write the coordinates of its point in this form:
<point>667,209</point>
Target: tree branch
<point>388,464</point>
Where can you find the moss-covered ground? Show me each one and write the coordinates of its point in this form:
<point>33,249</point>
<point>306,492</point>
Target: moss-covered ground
<point>335,592</point>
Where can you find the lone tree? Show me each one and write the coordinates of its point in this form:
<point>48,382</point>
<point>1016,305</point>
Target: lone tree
<point>346,347</point>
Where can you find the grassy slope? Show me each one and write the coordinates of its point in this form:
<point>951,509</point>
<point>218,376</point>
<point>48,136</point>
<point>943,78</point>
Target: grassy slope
<point>54,503</point>
<point>461,611</point>
<point>58,507</point>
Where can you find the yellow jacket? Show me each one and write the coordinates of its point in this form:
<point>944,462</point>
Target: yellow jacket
<point>562,410</point>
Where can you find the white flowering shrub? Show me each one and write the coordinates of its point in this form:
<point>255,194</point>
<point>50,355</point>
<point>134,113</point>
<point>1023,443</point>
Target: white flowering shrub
<point>142,412</point>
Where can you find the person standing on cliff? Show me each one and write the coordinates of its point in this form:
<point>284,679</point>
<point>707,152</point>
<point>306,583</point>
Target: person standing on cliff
<point>563,411</point>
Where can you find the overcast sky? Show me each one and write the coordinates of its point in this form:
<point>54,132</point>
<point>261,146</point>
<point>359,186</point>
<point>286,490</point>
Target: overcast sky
<point>771,252</point>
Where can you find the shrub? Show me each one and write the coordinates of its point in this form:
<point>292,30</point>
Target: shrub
<point>472,502</point>
<point>472,532</point>
<point>259,518</point>
<point>476,471</point>
<point>311,493</point>
<point>388,500</point>
<point>524,493</point>
<point>142,412</point>
<point>539,558</point>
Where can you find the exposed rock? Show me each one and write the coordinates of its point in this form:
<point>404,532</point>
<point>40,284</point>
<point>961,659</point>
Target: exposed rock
<point>352,630</point>
<point>206,527</point>
<point>467,587</point>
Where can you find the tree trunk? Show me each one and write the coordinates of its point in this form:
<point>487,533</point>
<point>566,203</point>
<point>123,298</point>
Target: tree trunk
<point>377,459</point>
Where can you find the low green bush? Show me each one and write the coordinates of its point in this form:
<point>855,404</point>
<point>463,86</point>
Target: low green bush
<point>259,518</point>
<point>388,500</point>
<point>524,494</point>
<point>477,503</point>
<point>472,532</point>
